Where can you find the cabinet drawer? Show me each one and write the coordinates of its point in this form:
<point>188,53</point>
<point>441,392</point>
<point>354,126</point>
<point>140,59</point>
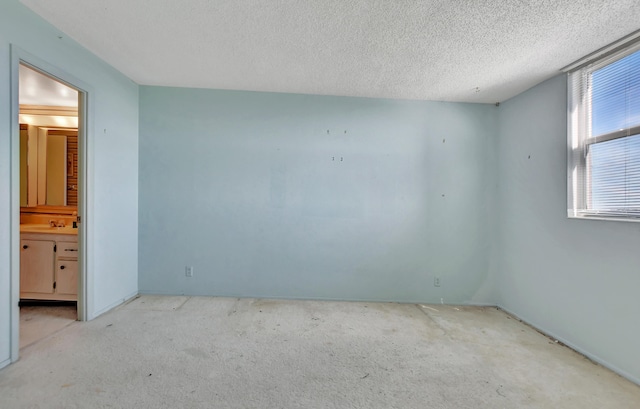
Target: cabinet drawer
<point>67,249</point>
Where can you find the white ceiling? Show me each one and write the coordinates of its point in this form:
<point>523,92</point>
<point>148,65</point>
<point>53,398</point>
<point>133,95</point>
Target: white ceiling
<point>38,89</point>
<point>474,50</point>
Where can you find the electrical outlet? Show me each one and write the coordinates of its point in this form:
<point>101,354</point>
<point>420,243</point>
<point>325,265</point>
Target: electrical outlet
<point>436,281</point>
<point>188,271</point>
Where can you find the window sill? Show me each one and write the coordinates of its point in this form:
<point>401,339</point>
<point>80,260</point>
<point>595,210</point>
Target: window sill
<point>605,218</point>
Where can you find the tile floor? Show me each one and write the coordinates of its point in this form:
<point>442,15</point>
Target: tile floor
<point>41,321</point>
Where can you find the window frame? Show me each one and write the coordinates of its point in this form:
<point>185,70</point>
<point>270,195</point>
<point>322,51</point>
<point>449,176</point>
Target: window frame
<point>579,103</point>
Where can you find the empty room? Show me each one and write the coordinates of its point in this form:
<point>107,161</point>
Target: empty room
<point>333,204</point>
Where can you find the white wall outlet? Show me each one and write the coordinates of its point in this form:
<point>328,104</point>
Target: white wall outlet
<point>436,281</point>
<point>188,271</point>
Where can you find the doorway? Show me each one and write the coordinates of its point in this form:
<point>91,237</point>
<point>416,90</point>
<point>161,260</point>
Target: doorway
<point>48,189</point>
<point>48,119</point>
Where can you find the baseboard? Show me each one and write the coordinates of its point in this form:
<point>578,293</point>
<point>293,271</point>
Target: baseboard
<point>311,298</point>
<point>114,305</point>
<point>5,363</point>
<point>479,304</point>
<point>593,357</point>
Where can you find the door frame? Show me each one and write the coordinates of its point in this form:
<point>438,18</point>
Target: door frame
<point>85,97</point>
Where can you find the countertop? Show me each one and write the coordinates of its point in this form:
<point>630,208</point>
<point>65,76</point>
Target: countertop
<point>45,228</point>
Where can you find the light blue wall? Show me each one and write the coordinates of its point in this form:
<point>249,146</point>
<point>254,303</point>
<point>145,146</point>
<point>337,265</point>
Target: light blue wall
<point>578,280</point>
<point>113,162</point>
<point>251,189</point>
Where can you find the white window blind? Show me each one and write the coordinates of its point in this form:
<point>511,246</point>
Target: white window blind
<point>604,137</point>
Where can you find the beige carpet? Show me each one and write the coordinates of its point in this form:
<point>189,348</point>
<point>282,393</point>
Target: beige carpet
<point>181,352</point>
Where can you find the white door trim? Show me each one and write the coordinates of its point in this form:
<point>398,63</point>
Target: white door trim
<point>85,189</point>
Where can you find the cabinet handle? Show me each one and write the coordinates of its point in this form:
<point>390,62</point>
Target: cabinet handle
<point>61,267</point>
<point>70,249</point>
<point>25,247</point>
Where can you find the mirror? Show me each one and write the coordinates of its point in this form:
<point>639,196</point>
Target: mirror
<point>48,166</point>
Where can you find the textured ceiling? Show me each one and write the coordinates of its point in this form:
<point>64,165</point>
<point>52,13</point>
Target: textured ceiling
<point>475,50</point>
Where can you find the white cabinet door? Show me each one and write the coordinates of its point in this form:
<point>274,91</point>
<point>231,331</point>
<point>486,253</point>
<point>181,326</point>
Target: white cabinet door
<point>36,266</point>
<point>67,277</point>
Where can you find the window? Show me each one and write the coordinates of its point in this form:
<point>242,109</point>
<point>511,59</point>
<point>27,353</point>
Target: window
<point>604,136</point>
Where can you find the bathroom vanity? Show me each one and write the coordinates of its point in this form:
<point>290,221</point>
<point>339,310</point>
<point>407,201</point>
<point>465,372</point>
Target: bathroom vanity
<point>48,262</point>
